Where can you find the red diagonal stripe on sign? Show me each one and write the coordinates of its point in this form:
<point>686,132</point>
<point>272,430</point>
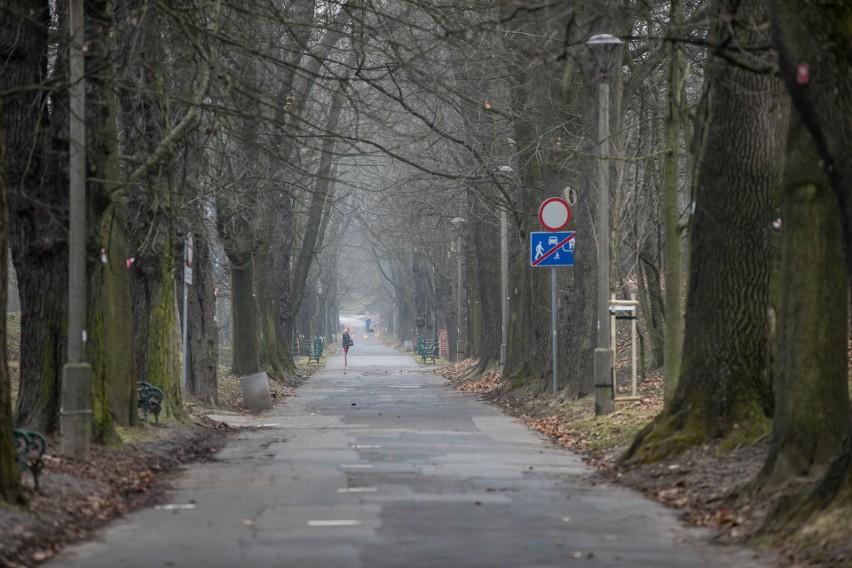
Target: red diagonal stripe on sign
<point>553,250</point>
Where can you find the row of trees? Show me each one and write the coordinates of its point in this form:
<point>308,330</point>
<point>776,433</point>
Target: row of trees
<point>201,118</point>
<point>706,150</point>
<point>310,141</point>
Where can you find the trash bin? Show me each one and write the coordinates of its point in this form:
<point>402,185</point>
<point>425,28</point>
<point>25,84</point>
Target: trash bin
<point>255,389</point>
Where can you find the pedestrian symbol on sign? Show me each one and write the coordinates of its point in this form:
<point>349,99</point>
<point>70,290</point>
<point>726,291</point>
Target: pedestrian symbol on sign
<point>552,249</point>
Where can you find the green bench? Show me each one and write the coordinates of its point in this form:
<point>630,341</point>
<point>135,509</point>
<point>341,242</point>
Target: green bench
<point>315,351</point>
<point>29,452</point>
<point>427,349</point>
<point>149,399</point>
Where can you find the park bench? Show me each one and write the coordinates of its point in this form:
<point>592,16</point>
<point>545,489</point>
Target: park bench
<point>430,351</point>
<point>29,452</point>
<point>427,349</point>
<point>315,351</point>
<point>312,355</point>
<point>150,399</point>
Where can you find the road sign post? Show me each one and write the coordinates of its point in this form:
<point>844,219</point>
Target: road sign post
<point>187,282</point>
<point>553,248</point>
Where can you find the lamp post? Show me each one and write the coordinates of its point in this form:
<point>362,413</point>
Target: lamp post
<point>75,413</point>
<point>460,341</point>
<point>504,275</point>
<point>603,46</point>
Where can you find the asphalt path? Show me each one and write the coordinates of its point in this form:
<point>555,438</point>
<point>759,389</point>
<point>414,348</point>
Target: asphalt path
<point>378,464</point>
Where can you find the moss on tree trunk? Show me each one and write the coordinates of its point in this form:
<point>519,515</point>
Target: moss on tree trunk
<point>817,34</point>
<point>110,328</point>
<point>724,390</point>
<point>811,382</point>
<point>163,345</point>
<point>110,345</point>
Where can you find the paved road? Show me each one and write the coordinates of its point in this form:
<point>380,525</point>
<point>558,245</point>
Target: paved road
<point>378,465</point>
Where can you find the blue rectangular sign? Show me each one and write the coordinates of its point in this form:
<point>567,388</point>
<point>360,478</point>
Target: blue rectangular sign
<point>552,249</point>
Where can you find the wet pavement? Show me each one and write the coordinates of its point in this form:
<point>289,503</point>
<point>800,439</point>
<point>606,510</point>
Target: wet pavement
<point>378,464</point>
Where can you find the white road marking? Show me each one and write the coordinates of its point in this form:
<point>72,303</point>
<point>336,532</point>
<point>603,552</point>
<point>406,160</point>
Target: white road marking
<point>356,466</point>
<point>174,507</point>
<point>341,523</point>
<point>357,490</point>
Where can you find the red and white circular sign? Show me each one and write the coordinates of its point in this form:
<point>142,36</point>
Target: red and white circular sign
<point>554,214</point>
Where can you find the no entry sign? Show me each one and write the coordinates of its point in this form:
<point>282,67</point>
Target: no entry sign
<point>554,214</point>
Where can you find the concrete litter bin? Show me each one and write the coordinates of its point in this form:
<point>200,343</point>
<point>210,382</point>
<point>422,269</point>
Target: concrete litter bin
<point>255,389</point>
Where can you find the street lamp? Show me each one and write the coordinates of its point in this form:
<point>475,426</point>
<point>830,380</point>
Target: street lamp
<point>75,412</point>
<point>604,47</point>
<point>504,274</point>
<point>458,222</point>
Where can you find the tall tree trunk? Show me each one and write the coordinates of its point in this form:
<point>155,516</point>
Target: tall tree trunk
<point>244,314</point>
<point>109,312</point>
<point>813,48</point>
<point>110,327</point>
<point>534,89</point>
<point>486,276</point>
<point>314,229</point>
<point>671,213</point>
<point>725,387</point>
<point>285,317</point>
<point>202,343</point>
<point>38,201</point>
<point>811,380</point>
<point>653,308</point>
<point>11,490</point>
<point>271,353</point>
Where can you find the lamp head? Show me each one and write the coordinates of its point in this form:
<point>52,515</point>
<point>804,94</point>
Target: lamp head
<point>603,46</point>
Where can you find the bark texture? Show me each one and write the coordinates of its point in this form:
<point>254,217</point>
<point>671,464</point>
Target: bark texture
<point>537,98</point>
<point>11,490</point>
<point>811,380</point>
<point>484,232</point>
<point>725,373</point>
<point>37,189</point>
<point>817,36</point>
<point>203,344</point>
<point>110,318</point>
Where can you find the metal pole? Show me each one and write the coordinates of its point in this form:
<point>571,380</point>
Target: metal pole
<point>553,322</point>
<point>612,331</point>
<point>77,191</point>
<point>188,245</point>
<point>603,353</point>
<point>75,413</point>
<point>633,333</point>
<point>504,284</point>
<point>184,333</point>
<point>459,340</point>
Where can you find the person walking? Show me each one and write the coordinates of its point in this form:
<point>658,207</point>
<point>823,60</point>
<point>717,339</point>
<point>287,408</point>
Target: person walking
<point>347,342</point>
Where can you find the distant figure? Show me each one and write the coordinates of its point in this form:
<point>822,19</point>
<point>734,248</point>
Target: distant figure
<point>369,323</point>
<point>347,341</point>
